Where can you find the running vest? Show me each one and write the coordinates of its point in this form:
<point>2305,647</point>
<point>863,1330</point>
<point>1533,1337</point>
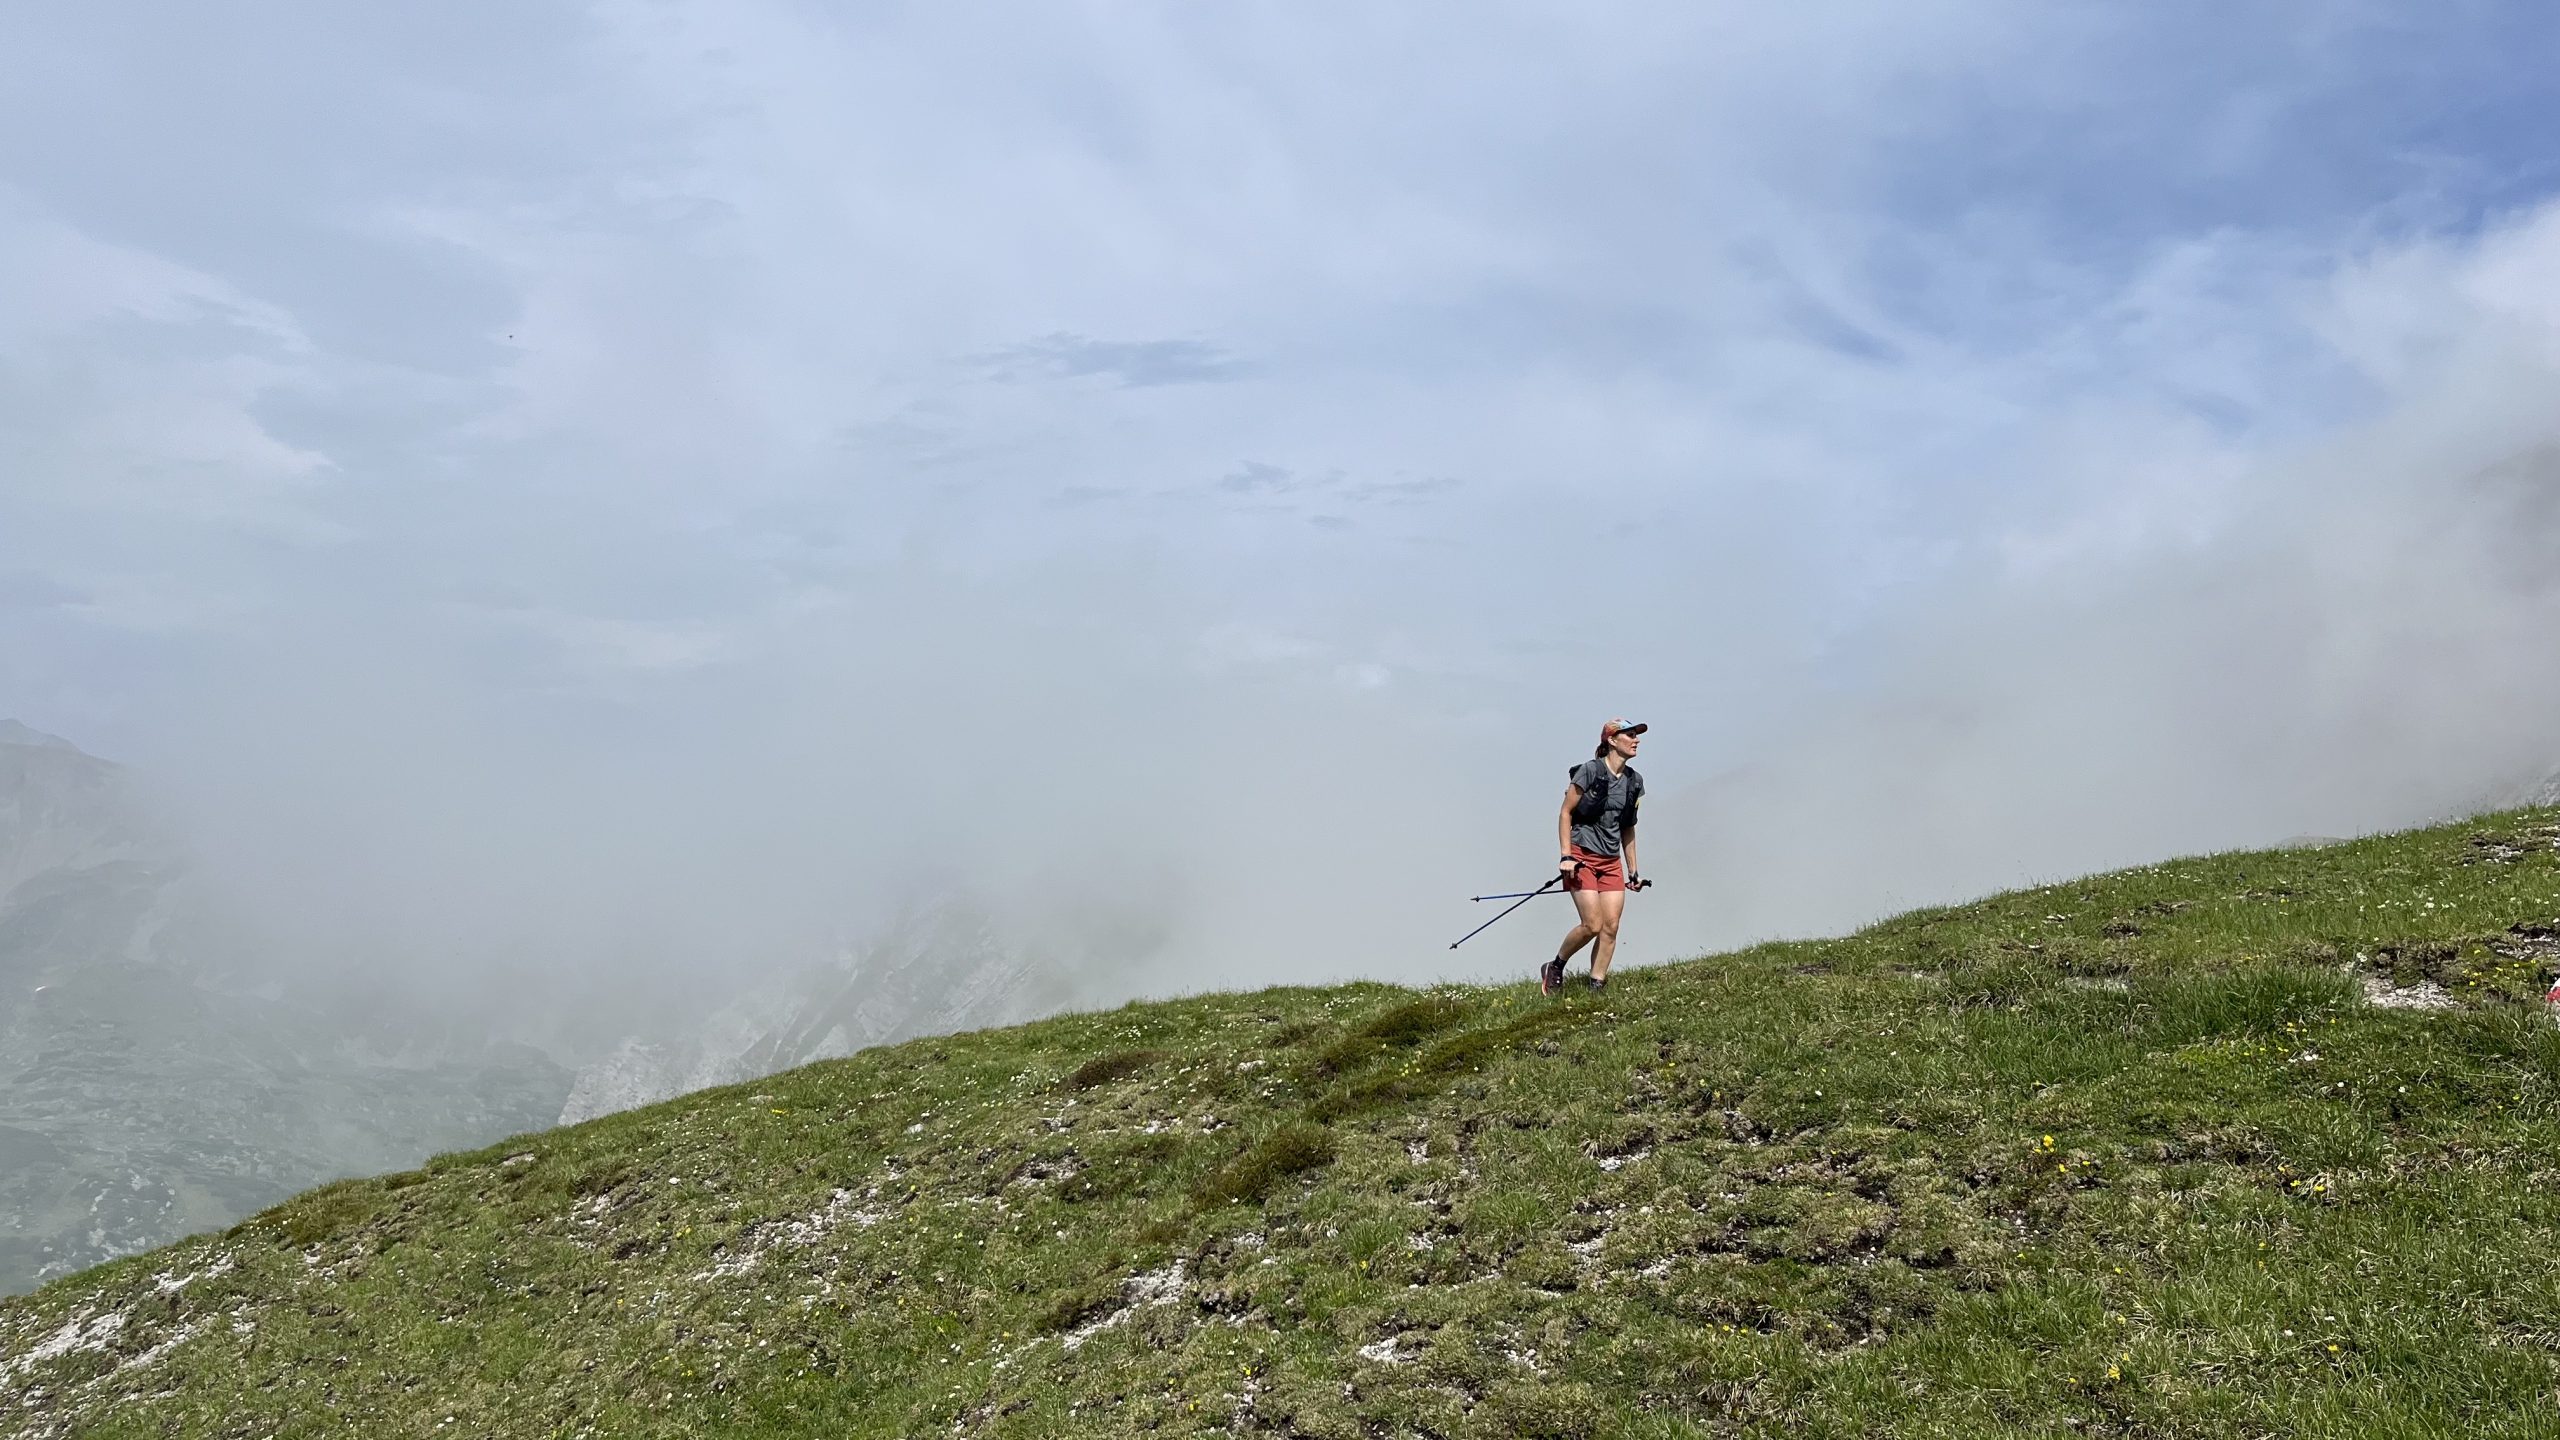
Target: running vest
<point>1595,798</point>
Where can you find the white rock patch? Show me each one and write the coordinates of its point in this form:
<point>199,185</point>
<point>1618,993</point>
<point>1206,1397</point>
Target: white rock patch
<point>799,1234</point>
<point>2425,995</point>
<point>1387,1351</point>
<point>172,1284</point>
<point>88,1332</point>
<point>1138,1292</point>
<point>79,1333</point>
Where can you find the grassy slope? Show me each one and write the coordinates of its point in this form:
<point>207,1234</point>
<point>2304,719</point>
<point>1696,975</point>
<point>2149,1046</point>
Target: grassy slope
<point>2132,1155</point>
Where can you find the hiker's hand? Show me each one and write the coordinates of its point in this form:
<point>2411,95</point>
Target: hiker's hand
<point>1567,865</point>
<point>1638,882</point>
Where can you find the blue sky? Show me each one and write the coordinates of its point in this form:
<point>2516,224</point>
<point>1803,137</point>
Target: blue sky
<point>628,432</point>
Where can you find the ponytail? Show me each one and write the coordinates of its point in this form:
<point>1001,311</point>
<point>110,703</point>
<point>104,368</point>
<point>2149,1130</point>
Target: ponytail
<point>1601,752</point>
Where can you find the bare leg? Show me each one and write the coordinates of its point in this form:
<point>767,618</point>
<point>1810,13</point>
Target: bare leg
<point>1586,903</point>
<point>1610,904</point>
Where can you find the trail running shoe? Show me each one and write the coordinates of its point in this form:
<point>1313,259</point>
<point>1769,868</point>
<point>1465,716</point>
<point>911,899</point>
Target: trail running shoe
<point>1551,977</point>
<point>1596,982</point>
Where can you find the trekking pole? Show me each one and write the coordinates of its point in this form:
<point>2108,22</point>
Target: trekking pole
<point>1507,909</point>
<point>1525,894</point>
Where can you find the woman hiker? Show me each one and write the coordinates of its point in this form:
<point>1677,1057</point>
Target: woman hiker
<point>1596,830</point>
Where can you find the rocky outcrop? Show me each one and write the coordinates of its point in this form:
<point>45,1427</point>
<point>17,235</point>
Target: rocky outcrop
<point>2546,791</point>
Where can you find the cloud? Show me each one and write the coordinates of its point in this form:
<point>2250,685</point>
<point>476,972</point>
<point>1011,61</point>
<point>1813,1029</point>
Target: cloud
<point>1399,492</point>
<point>2341,642</point>
<point>133,385</point>
<point>1075,495</point>
<point>1133,363</point>
<point>1253,477</point>
<point>575,496</point>
<point>612,643</point>
<point>27,590</point>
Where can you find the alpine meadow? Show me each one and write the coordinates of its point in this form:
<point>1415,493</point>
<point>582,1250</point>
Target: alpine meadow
<point>2239,1145</point>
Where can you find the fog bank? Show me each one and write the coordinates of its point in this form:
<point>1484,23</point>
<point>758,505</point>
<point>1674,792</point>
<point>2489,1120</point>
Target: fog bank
<point>645,500</point>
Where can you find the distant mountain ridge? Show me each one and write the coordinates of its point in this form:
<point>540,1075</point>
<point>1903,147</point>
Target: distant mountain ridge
<point>14,732</point>
<point>946,967</point>
<point>160,1075</point>
<point>63,811</point>
<point>142,1095</point>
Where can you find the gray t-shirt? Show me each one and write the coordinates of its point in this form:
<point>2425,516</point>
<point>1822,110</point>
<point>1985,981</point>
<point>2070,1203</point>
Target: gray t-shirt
<point>1606,833</point>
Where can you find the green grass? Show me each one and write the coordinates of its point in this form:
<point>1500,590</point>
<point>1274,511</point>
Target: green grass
<point>2134,1155</point>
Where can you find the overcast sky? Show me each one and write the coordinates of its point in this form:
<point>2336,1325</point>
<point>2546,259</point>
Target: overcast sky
<point>670,476</point>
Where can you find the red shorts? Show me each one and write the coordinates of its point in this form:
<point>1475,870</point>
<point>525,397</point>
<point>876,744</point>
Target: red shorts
<point>1597,872</point>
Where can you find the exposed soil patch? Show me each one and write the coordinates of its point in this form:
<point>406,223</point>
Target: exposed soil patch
<point>2540,943</point>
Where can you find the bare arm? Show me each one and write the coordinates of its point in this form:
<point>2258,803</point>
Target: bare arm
<point>1564,828</point>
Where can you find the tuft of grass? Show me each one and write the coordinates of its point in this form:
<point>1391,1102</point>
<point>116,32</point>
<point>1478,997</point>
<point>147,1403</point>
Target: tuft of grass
<point>602,1175</point>
<point>1415,1020</point>
<point>321,1215</point>
<point>1106,1069</point>
<point>1123,1171</point>
<point>1398,1027</point>
<point>1088,1301</point>
<point>1294,1149</point>
<point>1468,1051</point>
